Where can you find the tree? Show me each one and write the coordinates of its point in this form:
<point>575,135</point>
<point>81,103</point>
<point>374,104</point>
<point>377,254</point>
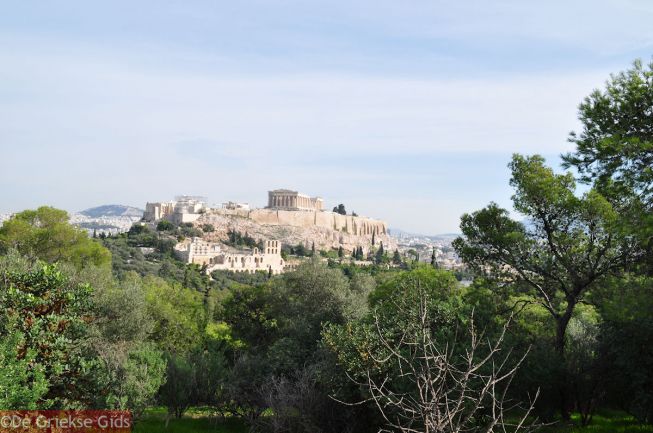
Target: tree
<point>341,252</point>
<point>614,149</point>
<point>45,234</point>
<point>178,315</point>
<point>434,261</point>
<point>177,391</point>
<point>43,319</point>
<point>279,327</point>
<point>374,237</point>
<point>616,141</point>
<point>340,209</point>
<point>625,306</point>
<point>165,225</point>
<point>380,255</point>
<point>396,258</point>
<point>23,383</point>
<point>137,379</point>
<point>418,366</point>
<point>566,248</point>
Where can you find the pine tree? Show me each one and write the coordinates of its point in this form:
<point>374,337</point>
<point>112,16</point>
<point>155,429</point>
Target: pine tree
<point>396,258</point>
<point>374,237</point>
<point>341,252</point>
<point>434,262</point>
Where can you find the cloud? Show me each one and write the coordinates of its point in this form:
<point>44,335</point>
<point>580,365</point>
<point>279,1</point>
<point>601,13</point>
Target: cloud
<point>407,112</point>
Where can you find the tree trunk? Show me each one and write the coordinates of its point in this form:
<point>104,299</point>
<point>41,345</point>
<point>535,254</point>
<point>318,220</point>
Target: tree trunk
<point>563,390</point>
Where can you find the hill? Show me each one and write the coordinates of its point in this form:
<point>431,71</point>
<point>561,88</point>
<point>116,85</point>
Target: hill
<point>112,210</point>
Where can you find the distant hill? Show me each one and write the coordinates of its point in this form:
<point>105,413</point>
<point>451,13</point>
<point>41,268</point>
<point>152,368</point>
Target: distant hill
<point>112,210</point>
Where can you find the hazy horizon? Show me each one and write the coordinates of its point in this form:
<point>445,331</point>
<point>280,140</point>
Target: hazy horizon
<point>403,112</point>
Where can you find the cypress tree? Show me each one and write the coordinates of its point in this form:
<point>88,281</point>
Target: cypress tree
<point>379,254</point>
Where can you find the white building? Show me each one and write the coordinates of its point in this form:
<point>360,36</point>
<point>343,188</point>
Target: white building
<point>184,209</point>
<point>215,258</point>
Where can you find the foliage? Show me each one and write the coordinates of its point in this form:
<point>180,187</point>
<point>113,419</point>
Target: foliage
<point>279,325</point>
<point>136,379</point>
<point>237,239</point>
<point>568,247</point>
<point>380,255</point>
<point>624,343</point>
<point>178,314</point>
<point>615,146</point>
<point>194,379</point>
<point>396,258</point>
<point>45,315</point>
<point>614,150</point>
<point>164,225</point>
<point>45,234</point>
<point>417,367</point>
<point>299,250</point>
<point>23,384</point>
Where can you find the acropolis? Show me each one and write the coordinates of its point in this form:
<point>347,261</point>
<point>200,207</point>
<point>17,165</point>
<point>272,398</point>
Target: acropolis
<point>292,200</point>
<point>290,217</point>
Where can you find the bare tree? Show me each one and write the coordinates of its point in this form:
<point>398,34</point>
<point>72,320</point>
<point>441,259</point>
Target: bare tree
<point>297,404</point>
<point>422,385</point>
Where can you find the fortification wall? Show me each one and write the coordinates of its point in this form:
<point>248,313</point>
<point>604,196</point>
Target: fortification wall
<point>355,225</point>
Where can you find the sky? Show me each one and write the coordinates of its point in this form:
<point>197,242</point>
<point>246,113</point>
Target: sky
<point>406,111</point>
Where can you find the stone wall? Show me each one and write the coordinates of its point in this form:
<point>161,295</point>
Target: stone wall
<point>345,223</point>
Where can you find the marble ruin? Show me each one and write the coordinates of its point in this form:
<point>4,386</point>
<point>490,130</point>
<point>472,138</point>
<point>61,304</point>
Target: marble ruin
<point>285,199</point>
<point>184,209</point>
<point>214,257</point>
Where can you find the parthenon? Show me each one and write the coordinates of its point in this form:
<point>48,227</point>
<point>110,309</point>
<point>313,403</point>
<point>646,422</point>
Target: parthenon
<point>286,199</point>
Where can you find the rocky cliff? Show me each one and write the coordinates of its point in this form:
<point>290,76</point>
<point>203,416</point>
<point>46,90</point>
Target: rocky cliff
<point>328,230</point>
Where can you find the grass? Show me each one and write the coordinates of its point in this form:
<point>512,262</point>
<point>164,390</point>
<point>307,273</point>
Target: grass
<point>603,422</point>
<point>194,421</point>
<point>198,421</point>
